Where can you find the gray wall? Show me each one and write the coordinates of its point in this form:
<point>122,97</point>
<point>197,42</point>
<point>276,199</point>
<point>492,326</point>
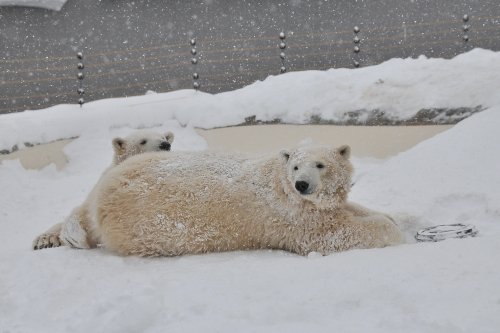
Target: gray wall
<point>133,46</point>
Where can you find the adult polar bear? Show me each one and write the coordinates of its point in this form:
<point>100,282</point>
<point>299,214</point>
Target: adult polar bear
<point>181,203</point>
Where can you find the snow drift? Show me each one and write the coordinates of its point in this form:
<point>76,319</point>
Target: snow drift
<point>450,286</point>
<point>398,90</point>
<point>47,4</point>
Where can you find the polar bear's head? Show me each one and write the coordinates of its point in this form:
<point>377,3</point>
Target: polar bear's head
<point>139,142</point>
<point>321,175</point>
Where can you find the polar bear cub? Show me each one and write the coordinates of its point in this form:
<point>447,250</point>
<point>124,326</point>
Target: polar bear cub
<point>75,231</point>
<point>139,142</point>
<point>198,202</point>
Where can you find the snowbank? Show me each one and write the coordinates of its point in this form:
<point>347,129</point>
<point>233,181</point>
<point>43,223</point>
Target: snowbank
<point>48,4</point>
<point>451,178</point>
<point>397,90</point>
<point>450,286</point>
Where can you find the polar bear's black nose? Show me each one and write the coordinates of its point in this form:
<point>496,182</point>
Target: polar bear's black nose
<point>165,145</point>
<point>301,186</point>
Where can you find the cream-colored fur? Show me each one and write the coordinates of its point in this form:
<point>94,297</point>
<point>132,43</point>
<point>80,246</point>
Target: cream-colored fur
<point>197,202</point>
<point>139,142</point>
<point>75,230</point>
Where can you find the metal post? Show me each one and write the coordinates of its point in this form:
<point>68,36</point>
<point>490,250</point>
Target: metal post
<point>356,40</point>
<point>194,61</point>
<point>80,76</point>
<point>466,28</point>
<point>282,47</point>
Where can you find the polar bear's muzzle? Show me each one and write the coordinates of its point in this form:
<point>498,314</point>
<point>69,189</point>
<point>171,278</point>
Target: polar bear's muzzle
<point>301,186</point>
<point>165,146</point>
<point>304,187</point>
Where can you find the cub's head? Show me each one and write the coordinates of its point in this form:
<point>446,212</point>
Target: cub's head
<point>320,175</point>
<point>139,142</point>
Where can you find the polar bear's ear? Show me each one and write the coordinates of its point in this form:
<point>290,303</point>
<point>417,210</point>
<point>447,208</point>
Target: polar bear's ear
<point>285,155</point>
<point>169,136</point>
<point>344,151</point>
<point>119,145</point>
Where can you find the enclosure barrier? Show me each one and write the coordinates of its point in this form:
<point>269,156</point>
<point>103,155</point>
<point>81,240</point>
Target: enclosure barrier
<point>229,63</point>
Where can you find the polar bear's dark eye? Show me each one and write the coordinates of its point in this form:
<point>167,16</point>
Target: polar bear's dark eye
<point>143,142</point>
<point>295,168</point>
<point>320,165</point>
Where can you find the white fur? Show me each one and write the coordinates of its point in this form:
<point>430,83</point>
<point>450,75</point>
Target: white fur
<point>75,231</point>
<point>197,202</point>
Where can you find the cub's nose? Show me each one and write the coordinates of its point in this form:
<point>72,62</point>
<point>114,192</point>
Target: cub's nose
<point>165,145</point>
<point>301,186</point>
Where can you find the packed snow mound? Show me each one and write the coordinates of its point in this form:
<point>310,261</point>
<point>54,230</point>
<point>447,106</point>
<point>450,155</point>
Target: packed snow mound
<point>47,4</point>
<point>398,90</point>
<point>448,286</point>
<point>450,178</point>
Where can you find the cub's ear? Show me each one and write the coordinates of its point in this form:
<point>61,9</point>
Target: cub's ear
<point>169,136</point>
<point>344,151</point>
<point>119,145</point>
<point>285,155</point>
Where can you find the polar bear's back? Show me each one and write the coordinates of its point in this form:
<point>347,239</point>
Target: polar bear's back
<point>161,203</point>
<point>196,164</point>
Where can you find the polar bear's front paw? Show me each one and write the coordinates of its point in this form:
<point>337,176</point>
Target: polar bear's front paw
<point>45,241</point>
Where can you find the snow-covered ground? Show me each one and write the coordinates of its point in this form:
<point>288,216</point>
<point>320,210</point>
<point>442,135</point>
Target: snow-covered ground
<point>450,286</point>
<point>48,4</point>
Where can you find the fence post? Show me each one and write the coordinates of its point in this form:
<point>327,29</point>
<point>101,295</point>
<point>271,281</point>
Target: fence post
<point>194,61</point>
<point>282,47</point>
<point>356,40</point>
<point>80,76</point>
<point>465,28</point>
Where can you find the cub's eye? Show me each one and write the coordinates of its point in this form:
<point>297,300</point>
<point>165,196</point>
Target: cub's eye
<point>143,142</point>
<point>295,168</point>
<point>320,165</point>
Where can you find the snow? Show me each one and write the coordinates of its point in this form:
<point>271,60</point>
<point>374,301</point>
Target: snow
<point>449,286</point>
<point>398,87</point>
<point>48,4</point>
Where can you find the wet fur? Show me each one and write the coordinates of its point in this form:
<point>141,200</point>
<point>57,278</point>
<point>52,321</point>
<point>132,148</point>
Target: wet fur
<point>75,230</point>
<point>159,204</point>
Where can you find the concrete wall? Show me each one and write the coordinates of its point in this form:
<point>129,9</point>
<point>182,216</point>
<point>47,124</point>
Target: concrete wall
<point>133,46</point>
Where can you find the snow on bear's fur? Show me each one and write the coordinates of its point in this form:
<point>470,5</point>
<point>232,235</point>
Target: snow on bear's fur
<point>75,231</point>
<point>197,202</point>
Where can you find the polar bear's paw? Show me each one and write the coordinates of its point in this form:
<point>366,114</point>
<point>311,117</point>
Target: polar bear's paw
<point>46,240</point>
